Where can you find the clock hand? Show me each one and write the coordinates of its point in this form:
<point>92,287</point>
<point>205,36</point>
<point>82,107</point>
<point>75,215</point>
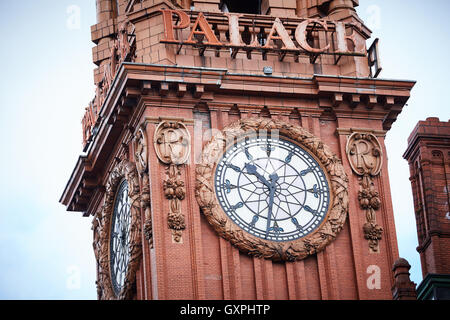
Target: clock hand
<point>251,169</point>
<point>273,179</point>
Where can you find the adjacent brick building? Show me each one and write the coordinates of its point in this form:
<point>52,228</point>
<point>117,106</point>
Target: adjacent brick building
<point>428,155</point>
<point>170,77</point>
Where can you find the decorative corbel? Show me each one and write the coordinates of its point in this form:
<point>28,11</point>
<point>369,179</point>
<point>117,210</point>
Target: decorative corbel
<point>355,100</point>
<point>365,157</point>
<point>338,99</point>
<point>372,101</point>
<point>172,146</point>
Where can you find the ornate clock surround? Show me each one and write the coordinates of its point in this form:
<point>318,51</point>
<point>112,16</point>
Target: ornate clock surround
<point>125,170</point>
<point>285,251</point>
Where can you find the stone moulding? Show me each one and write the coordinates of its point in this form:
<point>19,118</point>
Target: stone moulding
<point>287,251</point>
<point>102,228</point>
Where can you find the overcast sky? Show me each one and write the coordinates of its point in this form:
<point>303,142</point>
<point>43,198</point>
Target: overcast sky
<point>47,80</point>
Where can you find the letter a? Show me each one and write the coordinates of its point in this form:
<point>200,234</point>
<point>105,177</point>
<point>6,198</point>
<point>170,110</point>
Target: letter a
<point>205,30</point>
<point>282,35</point>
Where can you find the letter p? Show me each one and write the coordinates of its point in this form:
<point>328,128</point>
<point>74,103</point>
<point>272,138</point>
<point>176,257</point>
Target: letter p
<point>169,25</point>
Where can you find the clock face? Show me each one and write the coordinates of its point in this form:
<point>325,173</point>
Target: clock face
<point>120,238</point>
<point>272,188</point>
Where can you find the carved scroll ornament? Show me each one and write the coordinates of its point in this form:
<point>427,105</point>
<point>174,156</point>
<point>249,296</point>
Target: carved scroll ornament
<point>102,229</point>
<point>365,157</point>
<point>287,251</point>
<point>172,146</point>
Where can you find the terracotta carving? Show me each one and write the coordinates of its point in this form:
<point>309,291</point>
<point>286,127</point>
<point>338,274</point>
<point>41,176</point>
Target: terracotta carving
<point>364,153</point>
<point>141,149</point>
<point>369,201</point>
<point>365,157</point>
<point>141,156</point>
<point>172,142</point>
<point>102,227</point>
<point>174,191</point>
<point>172,146</point>
<point>287,251</point>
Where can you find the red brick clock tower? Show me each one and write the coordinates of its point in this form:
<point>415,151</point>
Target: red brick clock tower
<point>235,150</point>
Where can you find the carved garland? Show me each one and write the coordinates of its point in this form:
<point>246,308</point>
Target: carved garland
<point>289,251</point>
<point>365,157</point>
<point>102,227</point>
<point>172,146</point>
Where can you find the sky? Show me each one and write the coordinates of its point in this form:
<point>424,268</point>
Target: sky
<point>47,80</point>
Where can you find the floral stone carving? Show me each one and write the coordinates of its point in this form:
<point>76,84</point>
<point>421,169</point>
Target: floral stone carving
<point>175,191</point>
<point>172,146</point>
<point>365,157</point>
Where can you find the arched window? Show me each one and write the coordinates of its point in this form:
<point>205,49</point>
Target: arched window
<point>241,6</point>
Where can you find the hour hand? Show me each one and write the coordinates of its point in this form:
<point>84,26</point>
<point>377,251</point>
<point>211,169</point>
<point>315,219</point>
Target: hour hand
<point>251,169</point>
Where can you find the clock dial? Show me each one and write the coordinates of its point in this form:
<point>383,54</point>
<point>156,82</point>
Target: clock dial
<point>272,188</point>
<point>120,238</point>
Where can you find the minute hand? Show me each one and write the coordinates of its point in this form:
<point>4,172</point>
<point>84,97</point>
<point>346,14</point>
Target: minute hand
<point>273,178</point>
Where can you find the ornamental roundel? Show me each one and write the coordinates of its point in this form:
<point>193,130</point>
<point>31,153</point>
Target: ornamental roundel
<point>272,189</point>
<point>117,234</point>
<point>172,142</point>
<point>364,154</point>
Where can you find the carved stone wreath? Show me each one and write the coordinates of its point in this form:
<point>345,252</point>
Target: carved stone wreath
<point>287,251</point>
<point>102,228</point>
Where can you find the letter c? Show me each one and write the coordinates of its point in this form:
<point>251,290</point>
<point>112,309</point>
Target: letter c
<point>300,35</point>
